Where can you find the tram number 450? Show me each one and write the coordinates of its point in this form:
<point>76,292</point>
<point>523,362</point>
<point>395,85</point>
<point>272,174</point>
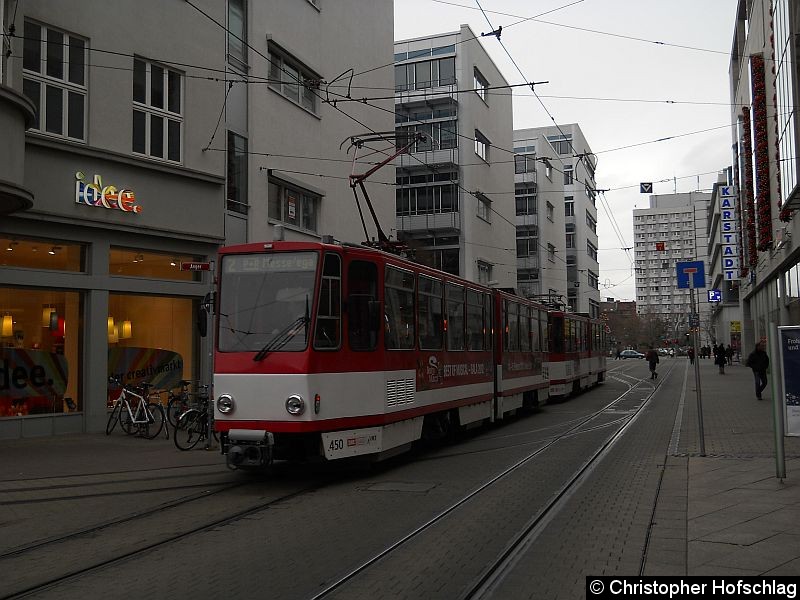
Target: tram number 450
<point>337,444</point>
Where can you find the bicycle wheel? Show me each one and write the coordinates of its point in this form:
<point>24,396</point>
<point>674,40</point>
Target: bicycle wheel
<point>190,429</point>
<point>126,422</point>
<point>113,417</point>
<point>155,421</point>
<point>175,408</point>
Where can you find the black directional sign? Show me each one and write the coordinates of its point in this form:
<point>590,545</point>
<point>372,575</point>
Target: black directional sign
<point>646,187</point>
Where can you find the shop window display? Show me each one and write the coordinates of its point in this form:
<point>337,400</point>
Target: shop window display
<point>151,339</point>
<point>40,366</point>
<point>133,262</point>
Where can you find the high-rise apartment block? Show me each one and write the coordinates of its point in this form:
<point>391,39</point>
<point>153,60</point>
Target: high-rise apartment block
<point>673,229</point>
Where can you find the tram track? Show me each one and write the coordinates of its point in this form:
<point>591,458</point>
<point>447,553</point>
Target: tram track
<point>157,514</point>
<point>519,541</point>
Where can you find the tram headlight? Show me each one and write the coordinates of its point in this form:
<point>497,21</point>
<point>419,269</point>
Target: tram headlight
<point>295,405</point>
<point>225,404</point>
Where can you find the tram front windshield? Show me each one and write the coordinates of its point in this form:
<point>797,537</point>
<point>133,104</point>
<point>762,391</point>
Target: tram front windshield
<point>266,301</point>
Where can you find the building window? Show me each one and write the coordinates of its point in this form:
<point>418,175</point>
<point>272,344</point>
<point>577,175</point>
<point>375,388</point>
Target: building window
<point>237,33</point>
<point>297,83</point>
<point>425,74</point>
<point>525,163</point>
<point>527,241</point>
<point>568,175</point>
<point>157,110</point>
<point>561,143</point>
<point>591,250</point>
<point>237,173</point>
<point>551,252</point>
<point>569,206</point>
<point>484,207</point>
<point>480,84</point>
<point>594,280</point>
<point>482,145</point>
<point>54,79</point>
<point>548,169</point>
<point>484,272</point>
<point>549,211</point>
<point>590,222</point>
<point>426,200</point>
<point>525,197</point>
<point>293,205</point>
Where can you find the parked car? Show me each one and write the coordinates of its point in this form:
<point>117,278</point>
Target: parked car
<point>631,354</point>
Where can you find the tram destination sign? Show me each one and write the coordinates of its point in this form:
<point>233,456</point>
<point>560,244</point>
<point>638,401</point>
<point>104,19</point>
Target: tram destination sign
<point>195,266</point>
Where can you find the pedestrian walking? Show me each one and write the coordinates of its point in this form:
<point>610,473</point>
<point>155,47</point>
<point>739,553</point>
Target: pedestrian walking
<point>729,354</point>
<point>652,358</point>
<point>619,351</point>
<point>759,362</point>
<point>690,352</point>
<point>719,358</point>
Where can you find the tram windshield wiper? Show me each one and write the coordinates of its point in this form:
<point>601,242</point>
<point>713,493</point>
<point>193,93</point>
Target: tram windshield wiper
<point>285,335</point>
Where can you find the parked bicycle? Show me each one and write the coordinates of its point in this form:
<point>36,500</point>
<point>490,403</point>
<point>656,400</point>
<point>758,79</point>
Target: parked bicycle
<point>179,403</point>
<point>134,413</point>
<point>192,426</point>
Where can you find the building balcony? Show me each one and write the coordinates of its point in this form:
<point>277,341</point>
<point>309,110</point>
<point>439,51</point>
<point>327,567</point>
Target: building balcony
<point>415,160</point>
<point>425,96</point>
<point>17,114</point>
<point>440,222</point>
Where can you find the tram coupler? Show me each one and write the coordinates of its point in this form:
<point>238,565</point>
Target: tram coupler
<point>248,448</point>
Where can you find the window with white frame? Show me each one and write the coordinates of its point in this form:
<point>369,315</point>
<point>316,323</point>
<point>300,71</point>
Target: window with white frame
<point>484,207</point>
<point>569,206</point>
<point>549,212</point>
<point>157,110</point>
<point>568,175</point>
<point>293,81</point>
<point>525,163</point>
<point>55,80</point>
<point>293,205</point>
<point>484,272</point>
<point>482,145</point>
<point>525,198</point>
<point>480,84</point>
<point>237,33</point>
<point>594,280</point>
<point>527,241</point>
<point>551,252</point>
<point>591,250</point>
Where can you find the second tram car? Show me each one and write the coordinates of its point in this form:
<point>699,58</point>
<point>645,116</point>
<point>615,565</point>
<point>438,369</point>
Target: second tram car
<point>577,353</point>
<point>336,350</point>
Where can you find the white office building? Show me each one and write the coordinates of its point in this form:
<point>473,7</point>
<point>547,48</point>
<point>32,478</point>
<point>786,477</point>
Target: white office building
<point>540,219</point>
<point>455,194</point>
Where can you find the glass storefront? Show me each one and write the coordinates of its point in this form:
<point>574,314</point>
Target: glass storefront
<point>151,339</point>
<point>40,352</point>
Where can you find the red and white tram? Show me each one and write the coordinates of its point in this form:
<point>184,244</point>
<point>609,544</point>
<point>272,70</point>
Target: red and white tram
<point>339,350</point>
<point>577,353</point>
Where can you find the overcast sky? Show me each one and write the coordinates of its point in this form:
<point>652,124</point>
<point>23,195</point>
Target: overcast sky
<point>622,91</point>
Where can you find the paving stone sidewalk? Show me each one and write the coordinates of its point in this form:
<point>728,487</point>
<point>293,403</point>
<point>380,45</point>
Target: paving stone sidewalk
<point>726,513</point>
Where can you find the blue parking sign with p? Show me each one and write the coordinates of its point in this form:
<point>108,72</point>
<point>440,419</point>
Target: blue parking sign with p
<point>693,272</point>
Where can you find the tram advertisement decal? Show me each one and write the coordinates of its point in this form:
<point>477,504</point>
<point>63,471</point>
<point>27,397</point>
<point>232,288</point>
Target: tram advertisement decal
<point>435,371</point>
<point>790,359</point>
<point>29,378</point>
<point>161,368</point>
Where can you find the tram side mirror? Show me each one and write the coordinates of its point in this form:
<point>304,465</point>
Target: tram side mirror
<point>201,318</point>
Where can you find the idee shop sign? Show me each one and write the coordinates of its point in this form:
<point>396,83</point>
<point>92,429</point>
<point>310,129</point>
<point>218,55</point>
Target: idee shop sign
<point>108,196</point>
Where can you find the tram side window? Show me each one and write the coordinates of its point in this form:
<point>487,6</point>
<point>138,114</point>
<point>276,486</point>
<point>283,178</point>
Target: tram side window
<point>399,309</point>
<point>430,319</point>
<point>455,316</point>
<point>558,326</point>
<point>488,321</point>
<point>362,297</point>
<point>512,325</point>
<point>545,332</point>
<point>329,313</point>
<point>524,329</point>
<point>475,324</point>
<point>536,339</point>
